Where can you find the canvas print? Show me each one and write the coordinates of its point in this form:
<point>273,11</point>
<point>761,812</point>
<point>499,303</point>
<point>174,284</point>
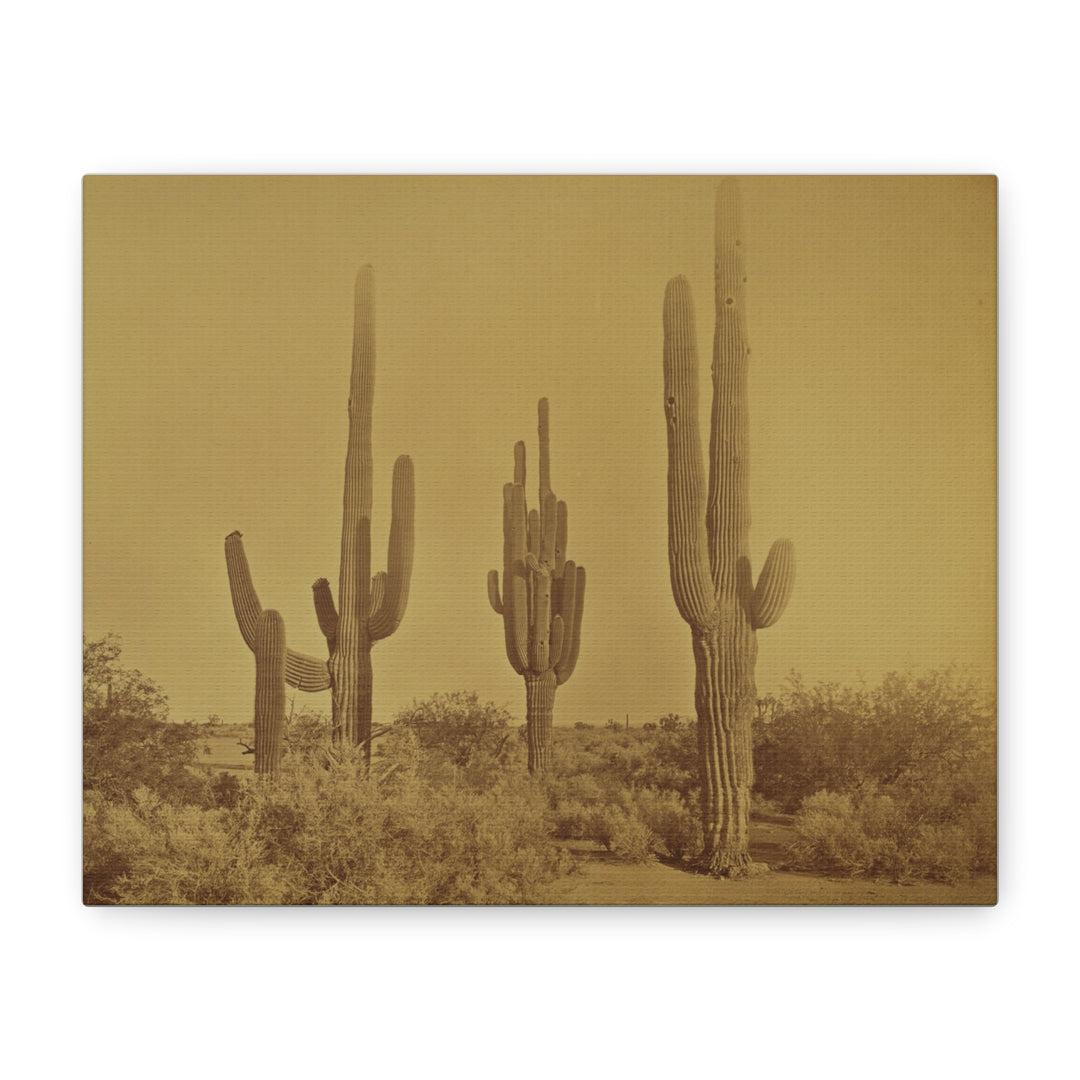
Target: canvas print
<point>539,540</point>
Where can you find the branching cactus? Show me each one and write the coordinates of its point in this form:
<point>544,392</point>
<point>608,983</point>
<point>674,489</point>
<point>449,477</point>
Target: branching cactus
<point>708,544</point>
<point>269,691</point>
<point>542,599</point>
<point>369,608</point>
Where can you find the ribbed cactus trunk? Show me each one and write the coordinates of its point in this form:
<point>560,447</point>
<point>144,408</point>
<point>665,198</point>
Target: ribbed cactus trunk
<point>269,691</point>
<point>371,608</point>
<point>543,596</point>
<point>708,544</point>
<point>539,707</point>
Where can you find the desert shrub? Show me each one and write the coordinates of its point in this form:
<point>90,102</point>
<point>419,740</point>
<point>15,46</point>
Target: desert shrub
<point>224,789</point>
<point>883,836</point>
<point>621,831</point>
<point>329,834</point>
<point>675,826</point>
<point>584,788</point>
<point>308,734</point>
<point>149,851</point>
<point>908,732</point>
<point>459,726</point>
<point>632,839</point>
<point>827,836</point>
<point>629,791</point>
<point>571,820</point>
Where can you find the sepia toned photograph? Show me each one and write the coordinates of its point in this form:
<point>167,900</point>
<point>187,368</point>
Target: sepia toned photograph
<point>540,540</point>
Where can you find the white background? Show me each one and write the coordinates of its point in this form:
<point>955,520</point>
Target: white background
<point>563,87</point>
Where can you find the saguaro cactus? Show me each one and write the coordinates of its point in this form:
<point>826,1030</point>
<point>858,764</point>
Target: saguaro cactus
<point>708,544</point>
<point>371,608</point>
<point>269,691</point>
<point>543,596</point>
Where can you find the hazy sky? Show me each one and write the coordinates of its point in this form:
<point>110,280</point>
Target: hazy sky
<point>218,324</point>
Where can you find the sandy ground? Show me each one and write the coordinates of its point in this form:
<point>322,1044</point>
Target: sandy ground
<point>602,878</point>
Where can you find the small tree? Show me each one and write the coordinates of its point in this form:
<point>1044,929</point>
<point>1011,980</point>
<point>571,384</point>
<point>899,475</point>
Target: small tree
<point>127,740</point>
<point>458,725</point>
<point>909,732</point>
<point>671,722</point>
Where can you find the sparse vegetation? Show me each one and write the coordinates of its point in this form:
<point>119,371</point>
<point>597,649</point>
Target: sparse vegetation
<point>892,784</point>
<point>898,780</point>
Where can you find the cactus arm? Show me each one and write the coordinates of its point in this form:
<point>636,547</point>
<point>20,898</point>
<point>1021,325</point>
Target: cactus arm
<point>519,463</point>
<point>688,560</point>
<point>325,611</point>
<point>774,585</point>
<point>560,537</point>
<point>245,600</point>
<point>493,592</point>
<point>543,430</point>
<point>567,594</point>
<point>270,655</point>
<point>548,525</point>
<point>307,673</point>
<point>572,638</point>
<point>389,609</point>
<point>539,639</point>
<point>378,589</point>
<point>302,671</point>
<point>534,533</point>
<point>728,512</point>
<point>558,636</point>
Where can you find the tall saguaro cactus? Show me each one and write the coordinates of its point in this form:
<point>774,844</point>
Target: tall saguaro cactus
<point>708,543</point>
<point>543,596</point>
<point>370,608</point>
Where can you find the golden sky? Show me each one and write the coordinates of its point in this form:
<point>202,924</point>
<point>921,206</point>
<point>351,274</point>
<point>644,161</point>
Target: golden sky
<point>218,323</point>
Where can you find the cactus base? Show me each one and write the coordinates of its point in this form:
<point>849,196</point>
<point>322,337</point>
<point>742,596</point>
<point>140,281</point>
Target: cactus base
<point>539,706</point>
